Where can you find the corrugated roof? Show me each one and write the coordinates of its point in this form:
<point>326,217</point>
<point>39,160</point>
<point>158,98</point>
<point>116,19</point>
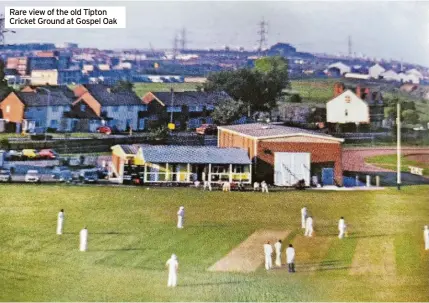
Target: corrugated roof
<point>193,154</point>
<point>130,149</point>
<point>191,98</point>
<point>260,130</point>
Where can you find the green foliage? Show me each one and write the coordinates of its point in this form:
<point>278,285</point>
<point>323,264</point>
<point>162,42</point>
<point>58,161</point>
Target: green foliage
<point>259,89</point>
<point>4,143</point>
<point>295,98</point>
<point>410,116</point>
<point>123,85</point>
<point>227,111</point>
<point>161,132</point>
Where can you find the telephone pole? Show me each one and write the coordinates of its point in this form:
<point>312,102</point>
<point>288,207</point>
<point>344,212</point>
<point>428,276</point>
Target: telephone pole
<point>3,30</point>
<point>262,32</point>
<point>183,40</point>
<point>175,46</point>
<point>350,46</point>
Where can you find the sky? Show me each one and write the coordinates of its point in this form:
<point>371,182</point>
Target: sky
<point>379,29</point>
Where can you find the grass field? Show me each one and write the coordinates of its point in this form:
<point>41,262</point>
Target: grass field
<point>142,88</point>
<point>132,233</point>
<point>389,162</point>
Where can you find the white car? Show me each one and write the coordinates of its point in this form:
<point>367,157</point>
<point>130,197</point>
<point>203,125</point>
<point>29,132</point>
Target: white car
<point>32,176</point>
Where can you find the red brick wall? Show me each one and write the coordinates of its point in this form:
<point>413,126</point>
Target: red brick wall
<point>320,152</point>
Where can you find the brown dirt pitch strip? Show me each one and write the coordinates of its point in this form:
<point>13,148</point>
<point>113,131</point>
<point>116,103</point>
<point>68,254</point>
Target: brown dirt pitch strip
<point>249,255</point>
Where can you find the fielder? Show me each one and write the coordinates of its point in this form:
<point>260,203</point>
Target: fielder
<point>83,239</point>
<point>341,228</point>
<point>290,258</point>
<point>278,248</point>
<point>268,251</point>
<point>60,222</point>
<point>309,227</point>
<point>264,187</point>
<point>180,217</point>
<point>303,216</point>
<point>207,185</point>
<point>173,266</point>
<point>256,186</point>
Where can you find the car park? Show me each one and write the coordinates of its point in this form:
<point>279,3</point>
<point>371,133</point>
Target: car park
<point>29,154</point>
<point>32,176</point>
<point>48,154</point>
<point>62,174</point>
<point>13,155</point>
<point>88,176</point>
<point>5,175</point>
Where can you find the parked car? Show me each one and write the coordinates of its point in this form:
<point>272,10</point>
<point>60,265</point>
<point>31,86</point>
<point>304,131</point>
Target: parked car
<point>104,130</point>
<point>207,129</point>
<point>5,175</point>
<point>13,155</point>
<point>29,154</point>
<point>48,154</point>
<point>62,174</point>
<point>88,176</point>
<point>32,176</point>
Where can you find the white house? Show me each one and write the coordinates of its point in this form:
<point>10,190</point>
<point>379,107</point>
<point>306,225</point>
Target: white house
<point>415,72</point>
<point>341,66</point>
<point>376,70</point>
<point>347,108</point>
<point>390,75</point>
<point>409,78</point>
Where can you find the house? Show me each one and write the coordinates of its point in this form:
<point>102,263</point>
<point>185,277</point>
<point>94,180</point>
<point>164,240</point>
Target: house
<point>355,105</point>
<point>121,108</point>
<point>147,164</point>
<point>338,69</point>
<point>390,75</point>
<point>376,70</point>
<point>42,77</point>
<point>285,155</point>
<point>189,108</point>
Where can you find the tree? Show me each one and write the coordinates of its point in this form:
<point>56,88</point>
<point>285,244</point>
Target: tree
<point>410,116</point>
<point>258,88</point>
<point>295,98</point>
<point>5,89</point>
<point>123,85</point>
<point>227,111</point>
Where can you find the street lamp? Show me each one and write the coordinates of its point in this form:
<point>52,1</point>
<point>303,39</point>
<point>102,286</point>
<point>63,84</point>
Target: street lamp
<point>47,109</point>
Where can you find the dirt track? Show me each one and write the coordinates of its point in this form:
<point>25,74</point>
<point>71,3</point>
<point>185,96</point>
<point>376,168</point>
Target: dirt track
<point>354,158</point>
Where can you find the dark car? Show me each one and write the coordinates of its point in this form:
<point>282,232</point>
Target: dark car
<point>88,176</point>
<point>62,174</point>
<point>5,175</point>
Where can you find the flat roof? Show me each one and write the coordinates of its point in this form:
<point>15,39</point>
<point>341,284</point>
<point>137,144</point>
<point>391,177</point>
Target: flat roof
<point>267,131</point>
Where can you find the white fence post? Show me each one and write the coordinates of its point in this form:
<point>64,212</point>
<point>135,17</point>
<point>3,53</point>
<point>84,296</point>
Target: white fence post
<point>368,180</point>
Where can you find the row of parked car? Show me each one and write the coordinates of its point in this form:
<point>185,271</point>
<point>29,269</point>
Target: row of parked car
<point>31,154</point>
<point>59,174</point>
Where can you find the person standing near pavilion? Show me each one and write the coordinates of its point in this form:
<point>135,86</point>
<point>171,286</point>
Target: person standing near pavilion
<point>341,228</point>
<point>309,227</point>
<point>290,258</point>
<point>60,222</point>
<point>268,251</point>
<point>278,248</point>
<point>303,216</point>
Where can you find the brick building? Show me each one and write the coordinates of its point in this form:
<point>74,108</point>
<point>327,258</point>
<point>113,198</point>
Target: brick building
<point>284,155</point>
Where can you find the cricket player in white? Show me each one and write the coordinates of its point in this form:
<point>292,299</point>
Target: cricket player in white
<point>268,251</point>
<point>180,217</point>
<point>341,228</point>
<point>264,187</point>
<point>309,227</point>
<point>173,266</point>
<point>426,236</point>
<point>256,186</point>
<point>207,185</point>
<point>83,239</point>
<point>278,248</point>
<point>60,222</point>
<point>303,216</point>
<point>290,258</point>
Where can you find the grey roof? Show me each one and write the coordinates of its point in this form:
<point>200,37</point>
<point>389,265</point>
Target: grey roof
<point>260,130</point>
<point>191,98</point>
<point>106,97</point>
<point>194,154</point>
<point>56,89</point>
<point>130,149</point>
<point>40,99</point>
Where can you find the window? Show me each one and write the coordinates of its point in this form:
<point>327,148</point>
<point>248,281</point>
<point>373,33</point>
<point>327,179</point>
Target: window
<point>54,124</point>
<point>175,109</point>
<point>141,124</point>
<point>195,108</point>
<point>130,108</point>
<point>82,107</point>
<point>115,109</point>
<point>210,107</point>
<point>55,109</point>
<point>346,113</point>
<point>67,108</point>
<point>8,109</point>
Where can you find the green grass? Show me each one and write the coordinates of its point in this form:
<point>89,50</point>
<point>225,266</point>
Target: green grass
<point>132,233</point>
<point>390,162</point>
<point>314,90</point>
<point>142,88</point>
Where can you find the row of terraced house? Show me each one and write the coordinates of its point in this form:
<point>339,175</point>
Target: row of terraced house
<point>89,106</point>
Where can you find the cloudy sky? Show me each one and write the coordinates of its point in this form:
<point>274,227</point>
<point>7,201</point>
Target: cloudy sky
<point>382,29</point>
